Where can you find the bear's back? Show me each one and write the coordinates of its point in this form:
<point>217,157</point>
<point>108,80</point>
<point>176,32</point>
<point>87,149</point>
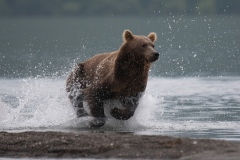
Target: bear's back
<point>100,67</point>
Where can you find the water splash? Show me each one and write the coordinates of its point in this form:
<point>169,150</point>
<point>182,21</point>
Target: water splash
<point>40,103</point>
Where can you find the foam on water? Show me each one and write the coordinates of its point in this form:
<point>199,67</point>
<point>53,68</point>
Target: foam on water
<point>180,105</point>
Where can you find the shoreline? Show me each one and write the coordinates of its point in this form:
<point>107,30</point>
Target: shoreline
<point>51,144</point>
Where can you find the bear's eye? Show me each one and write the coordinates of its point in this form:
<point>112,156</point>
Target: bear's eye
<point>144,45</point>
<point>153,46</point>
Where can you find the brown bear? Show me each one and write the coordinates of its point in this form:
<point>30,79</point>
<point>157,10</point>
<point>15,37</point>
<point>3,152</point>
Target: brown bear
<point>120,75</point>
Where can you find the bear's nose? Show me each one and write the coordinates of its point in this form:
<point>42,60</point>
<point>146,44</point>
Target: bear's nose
<point>156,55</point>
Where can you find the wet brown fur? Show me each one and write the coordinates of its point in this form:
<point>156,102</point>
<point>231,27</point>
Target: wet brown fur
<point>115,75</point>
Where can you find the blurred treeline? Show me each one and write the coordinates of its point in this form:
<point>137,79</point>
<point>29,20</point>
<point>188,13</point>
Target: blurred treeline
<point>117,7</point>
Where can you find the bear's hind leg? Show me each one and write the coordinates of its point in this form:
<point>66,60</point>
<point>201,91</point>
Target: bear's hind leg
<point>76,98</point>
<point>79,108</point>
<point>77,103</point>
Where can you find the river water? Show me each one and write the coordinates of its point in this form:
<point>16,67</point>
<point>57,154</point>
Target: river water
<point>193,90</point>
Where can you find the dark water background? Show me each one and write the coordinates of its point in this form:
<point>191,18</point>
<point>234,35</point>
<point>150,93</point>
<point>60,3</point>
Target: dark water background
<point>189,46</point>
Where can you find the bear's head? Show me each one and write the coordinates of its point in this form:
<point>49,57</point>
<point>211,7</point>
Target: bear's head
<point>140,48</point>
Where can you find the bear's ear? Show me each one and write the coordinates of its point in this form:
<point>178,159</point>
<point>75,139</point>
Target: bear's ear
<point>127,35</point>
<point>152,36</point>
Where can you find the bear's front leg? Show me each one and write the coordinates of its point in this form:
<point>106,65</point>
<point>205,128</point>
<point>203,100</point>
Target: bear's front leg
<point>130,104</point>
<point>97,111</point>
<point>121,114</point>
<point>95,106</point>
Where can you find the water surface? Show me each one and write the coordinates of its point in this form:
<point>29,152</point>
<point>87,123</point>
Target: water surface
<point>187,107</point>
<point>193,90</point>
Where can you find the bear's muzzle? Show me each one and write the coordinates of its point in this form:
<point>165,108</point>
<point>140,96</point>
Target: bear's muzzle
<point>154,57</point>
